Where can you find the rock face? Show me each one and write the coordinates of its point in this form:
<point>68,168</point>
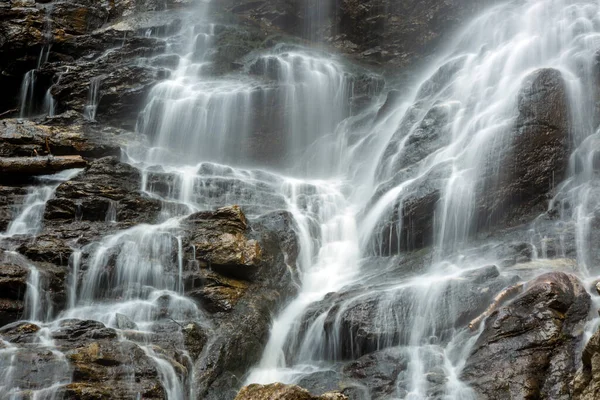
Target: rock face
<point>538,156</point>
<point>278,391</point>
<point>242,296</point>
<point>587,380</point>
<point>101,365</point>
<point>526,349</point>
<point>13,285</point>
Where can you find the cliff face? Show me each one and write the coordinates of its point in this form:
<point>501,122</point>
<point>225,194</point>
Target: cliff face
<point>76,76</point>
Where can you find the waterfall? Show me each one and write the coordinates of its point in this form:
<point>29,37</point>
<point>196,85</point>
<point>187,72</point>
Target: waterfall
<point>28,221</point>
<point>280,134</point>
<point>463,115</point>
<point>28,103</point>
<point>89,111</point>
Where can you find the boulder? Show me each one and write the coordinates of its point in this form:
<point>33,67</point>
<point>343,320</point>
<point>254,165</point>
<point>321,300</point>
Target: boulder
<point>360,321</point>
<point>526,348</point>
<point>19,138</point>
<point>220,242</point>
<point>538,155</point>
<point>279,391</point>
<point>586,385</point>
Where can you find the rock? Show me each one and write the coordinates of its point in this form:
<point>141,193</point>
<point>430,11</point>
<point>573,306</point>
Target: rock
<point>384,374</point>
<point>123,322</point>
<point>242,322</point>
<point>220,243</point>
<point>90,195</point>
<point>539,154</point>
<point>279,391</point>
<point>586,385</point>
<point>13,285</point>
<point>359,321</point>
<point>9,196</point>
<point>526,348</point>
<point>98,363</point>
<point>195,338</point>
<point>28,166</point>
<point>28,138</point>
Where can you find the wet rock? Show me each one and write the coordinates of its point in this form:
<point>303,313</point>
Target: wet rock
<point>9,196</point>
<point>195,338</point>
<point>99,364</point>
<point>539,153</point>
<point>284,392</point>
<point>220,243</point>
<point>399,34</point>
<point>408,224</point>
<point>242,328</point>
<point>526,348</point>
<point>357,322</point>
<point>586,385</point>
<point>90,194</point>
<point>123,322</point>
<point>384,374</point>
<point>29,166</point>
<point>13,285</point>
<point>20,138</point>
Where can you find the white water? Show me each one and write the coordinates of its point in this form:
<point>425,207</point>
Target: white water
<point>28,103</point>
<point>475,88</point>
<point>28,220</point>
<point>202,131</point>
<point>94,94</point>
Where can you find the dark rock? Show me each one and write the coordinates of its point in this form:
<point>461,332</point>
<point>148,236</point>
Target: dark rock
<point>538,157</point>
<point>372,318</point>
<point>88,196</point>
<point>280,391</point>
<point>526,348</point>
<point>242,327</point>
<point>99,364</point>
<point>586,385</point>
<point>13,285</point>
<point>27,138</point>
<point>29,166</point>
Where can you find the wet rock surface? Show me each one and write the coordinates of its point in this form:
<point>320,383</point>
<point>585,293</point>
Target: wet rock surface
<point>587,380</point>
<point>531,342</point>
<point>539,153</point>
<point>100,364</point>
<point>284,392</point>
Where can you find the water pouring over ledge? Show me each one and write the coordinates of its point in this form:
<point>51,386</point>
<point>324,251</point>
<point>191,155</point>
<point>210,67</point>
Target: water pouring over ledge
<point>360,293</point>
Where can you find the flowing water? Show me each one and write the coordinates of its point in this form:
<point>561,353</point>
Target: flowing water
<point>343,176</point>
<point>29,103</point>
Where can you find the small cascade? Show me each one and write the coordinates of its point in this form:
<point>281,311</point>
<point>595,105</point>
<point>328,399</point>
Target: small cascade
<point>89,111</point>
<point>27,94</point>
<point>29,102</point>
<point>49,104</point>
<point>28,220</point>
<point>48,384</point>
<point>111,213</point>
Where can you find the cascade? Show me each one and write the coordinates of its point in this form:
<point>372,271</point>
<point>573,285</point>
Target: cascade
<point>89,111</point>
<point>29,104</point>
<point>346,178</point>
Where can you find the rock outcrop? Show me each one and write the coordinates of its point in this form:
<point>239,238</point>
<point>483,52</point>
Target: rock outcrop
<point>587,380</point>
<point>527,348</point>
<point>279,391</point>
